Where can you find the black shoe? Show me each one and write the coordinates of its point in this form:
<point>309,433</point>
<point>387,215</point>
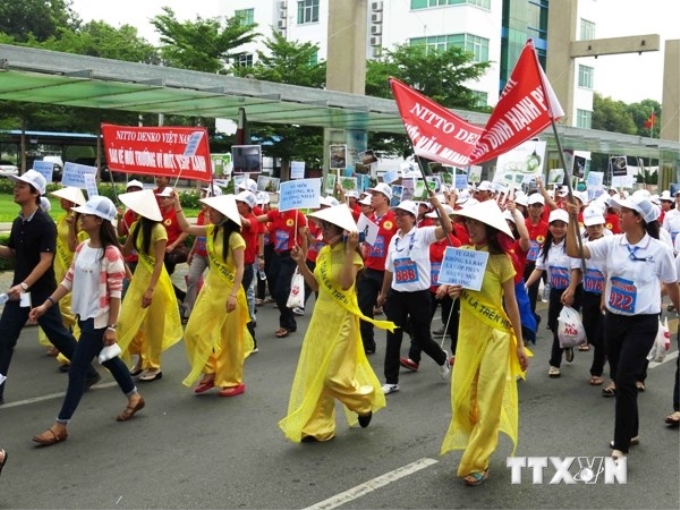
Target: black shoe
<point>365,420</point>
<point>64,368</point>
<point>92,379</point>
<point>370,350</point>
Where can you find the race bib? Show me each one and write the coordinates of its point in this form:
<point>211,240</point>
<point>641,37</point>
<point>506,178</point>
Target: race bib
<point>405,271</point>
<point>623,295</point>
<point>281,240</point>
<point>434,273</point>
<point>593,281</point>
<point>559,277</point>
<point>378,248</point>
<point>534,249</point>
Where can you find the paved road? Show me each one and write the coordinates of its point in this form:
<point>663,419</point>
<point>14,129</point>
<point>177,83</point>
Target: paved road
<point>185,451</point>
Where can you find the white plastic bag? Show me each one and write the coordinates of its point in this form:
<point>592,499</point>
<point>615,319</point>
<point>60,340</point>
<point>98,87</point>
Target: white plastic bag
<point>662,343</point>
<point>296,298</point>
<point>109,352</point>
<point>570,330</point>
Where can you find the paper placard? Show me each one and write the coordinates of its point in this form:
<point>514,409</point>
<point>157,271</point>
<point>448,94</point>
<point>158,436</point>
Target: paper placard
<point>268,184</point>
<point>193,143</point>
<point>369,229</point>
<point>329,183</point>
<point>474,174</point>
<point>556,177</point>
<point>461,181</point>
<point>297,169</point>
<point>348,183</point>
<point>363,182</point>
<point>390,176</point>
<point>91,185</point>
<point>74,174</point>
<point>463,267</point>
<point>300,194</point>
<point>595,180</point>
<point>44,168</point>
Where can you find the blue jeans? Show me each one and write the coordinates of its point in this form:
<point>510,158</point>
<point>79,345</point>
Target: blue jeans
<point>13,320</point>
<point>90,344</point>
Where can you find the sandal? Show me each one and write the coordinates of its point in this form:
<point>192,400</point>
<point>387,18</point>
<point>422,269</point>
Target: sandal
<point>130,411</point>
<point>609,391</point>
<point>204,386</point>
<point>282,333</point>
<point>4,459</point>
<point>640,386</point>
<point>50,437</point>
<point>673,420</point>
<point>476,478</point>
<point>232,391</point>
<point>596,380</point>
<point>584,347</point>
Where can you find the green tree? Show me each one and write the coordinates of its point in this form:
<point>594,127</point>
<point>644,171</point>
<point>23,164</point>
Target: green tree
<point>202,44</point>
<point>37,19</point>
<point>612,116</point>
<point>293,63</point>
<point>641,112</point>
<point>439,75</point>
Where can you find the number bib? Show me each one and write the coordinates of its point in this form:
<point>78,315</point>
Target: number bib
<point>378,248</point>
<point>623,295</point>
<point>593,281</point>
<point>405,271</point>
<point>434,273</point>
<point>281,240</point>
<point>559,277</point>
<point>534,249</point>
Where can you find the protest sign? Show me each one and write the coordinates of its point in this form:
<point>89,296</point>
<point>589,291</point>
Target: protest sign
<point>363,182</point>
<point>390,176</point>
<point>348,183</point>
<point>461,181</point>
<point>474,174</point>
<point>556,177</point>
<point>74,174</point>
<point>91,185</point>
<point>595,180</point>
<point>369,229</point>
<point>463,267</point>
<point>193,143</point>
<point>268,184</point>
<point>246,159</point>
<point>300,194</point>
<point>157,151</point>
<point>297,169</point>
<point>44,168</point>
<point>338,156</point>
<point>521,164</point>
<point>329,183</point>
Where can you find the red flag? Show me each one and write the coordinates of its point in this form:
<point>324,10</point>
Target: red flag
<point>525,108</point>
<point>649,123</point>
<point>436,133</point>
<point>167,151</point>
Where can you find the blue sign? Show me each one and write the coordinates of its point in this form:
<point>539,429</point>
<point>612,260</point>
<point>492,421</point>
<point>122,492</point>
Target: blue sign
<point>74,174</point>
<point>44,168</point>
<point>463,267</point>
<point>300,194</point>
<point>461,181</point>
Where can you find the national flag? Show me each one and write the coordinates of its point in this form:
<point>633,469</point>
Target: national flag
<point>526,107</point>
<point>649,123</point>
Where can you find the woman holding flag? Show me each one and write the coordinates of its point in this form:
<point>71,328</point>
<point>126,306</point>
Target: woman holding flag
<point>333,364</point>
<point>490,352</point>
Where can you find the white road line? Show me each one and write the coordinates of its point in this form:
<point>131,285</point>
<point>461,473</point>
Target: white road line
<point>669,357</point>
<point>51,396</point>
<point>371,485</point>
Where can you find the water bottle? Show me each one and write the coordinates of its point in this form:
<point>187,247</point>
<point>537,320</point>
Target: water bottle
<point>546,292</point>
<point>262,274</point>
<point>4,298</point>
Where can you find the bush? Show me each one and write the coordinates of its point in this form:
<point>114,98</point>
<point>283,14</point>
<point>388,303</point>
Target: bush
<point>5,264</point>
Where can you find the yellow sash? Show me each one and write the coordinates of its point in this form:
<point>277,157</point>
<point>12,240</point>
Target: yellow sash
<point>344,298</point>
<point>216,264</point>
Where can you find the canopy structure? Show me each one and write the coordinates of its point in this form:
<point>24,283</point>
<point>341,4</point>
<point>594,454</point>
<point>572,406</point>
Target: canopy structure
<point>41,76</point>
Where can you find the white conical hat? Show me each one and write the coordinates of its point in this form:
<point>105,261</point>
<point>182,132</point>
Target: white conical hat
<point>489,213</point>
<point>143,203</point>
<point>339,215</point>
<point>71,193</point>
<point>225,204</point>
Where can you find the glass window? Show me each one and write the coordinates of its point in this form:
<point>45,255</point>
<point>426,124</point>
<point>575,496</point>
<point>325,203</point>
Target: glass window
<point>478,46</point>
<point>584,119</point>
<point>585,76</point>
<point>314,59</point>
<point>424,4</point>
<point>308,11</point>
<point>247,16</point>
<point>587,30</point>
<point>245,60</point>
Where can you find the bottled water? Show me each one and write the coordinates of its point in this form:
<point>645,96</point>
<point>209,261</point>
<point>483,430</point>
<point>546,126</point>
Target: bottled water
<point>4,298</point>
<point>262,275</point>
<point>546,292</point>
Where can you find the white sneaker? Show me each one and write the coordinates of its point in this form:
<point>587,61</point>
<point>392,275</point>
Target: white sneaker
<point>298,311</point>
<point>445,369</point>
<point>390,388</point>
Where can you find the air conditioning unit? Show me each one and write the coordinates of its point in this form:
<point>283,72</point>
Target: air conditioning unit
<point>376,29</point>
<point>376,17</point>
<point>377,6</point>
<point>376,40</point>
<point>377,52</point>
<point>283,5</point>
<point>283,14</point>
<point>282,24</point>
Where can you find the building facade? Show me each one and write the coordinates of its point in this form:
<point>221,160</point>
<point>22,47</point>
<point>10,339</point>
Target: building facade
<point>492,30</point>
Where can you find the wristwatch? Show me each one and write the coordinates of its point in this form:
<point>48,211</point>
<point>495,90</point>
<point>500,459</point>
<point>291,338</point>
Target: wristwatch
<point>23,286</point>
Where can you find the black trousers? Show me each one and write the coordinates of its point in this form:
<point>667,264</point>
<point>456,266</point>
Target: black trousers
<point>593,323</point>
<point>369,285</point>
<point>447,304</point>
<point>414,308</point>
<point>283,267</point>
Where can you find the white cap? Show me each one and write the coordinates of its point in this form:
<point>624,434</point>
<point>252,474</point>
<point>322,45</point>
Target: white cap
<point>509,216</point>
<point>249,185</point>
<point>485,186</point>
<point>447,208</point>
<point>563,192</point>
<point>536,198</point>
<point>71,193</point>
<point>246,197</point>
<point>33,178</point>
<point>167,192</point>
<point>100,206</point>
<point>143,203</point>
<point>640,204</point>
<point>226,205</point>
<point>383,188</point>
<point>522,199</point>
<point>351,193</point>
<point>666,195</point>
<point>558,215</point>
<point>366,200</point>
<point>263,198</point>
<point>212,191</point>
<point>409,206</point>
<point>134,183</point>
<point>582,197</point>
<point>592,215</point>
<point>644,193</point>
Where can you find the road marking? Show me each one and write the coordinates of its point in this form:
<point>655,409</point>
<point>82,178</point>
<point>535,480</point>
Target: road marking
<point>371,485</point>
<point>52,396</point>
<point>669,357</point>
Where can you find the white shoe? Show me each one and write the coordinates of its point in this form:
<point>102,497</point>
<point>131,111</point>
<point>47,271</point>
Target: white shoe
<point>298,311</point>
<point>445,369</point>
<point>390,388</point>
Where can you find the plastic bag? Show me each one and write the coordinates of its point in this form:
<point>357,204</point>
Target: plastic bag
<point>296,298</point>
<point>662,343</point>
<point>570,330</point>
<point>109,352</point>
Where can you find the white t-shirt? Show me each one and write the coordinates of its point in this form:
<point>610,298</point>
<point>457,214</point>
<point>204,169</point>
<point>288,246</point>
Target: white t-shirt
<point>558,264</point>
<point>594,279</point>
<point>408,259</point>
<point>85,301</point>
<point>633,286</point>
<point>671,223</point>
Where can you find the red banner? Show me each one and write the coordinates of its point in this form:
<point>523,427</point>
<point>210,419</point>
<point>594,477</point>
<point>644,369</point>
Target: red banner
<point>435,132</point>
<point>167,151</point>
<point>525,108</point>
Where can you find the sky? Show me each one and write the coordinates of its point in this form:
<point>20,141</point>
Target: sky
<point>627,78</point>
